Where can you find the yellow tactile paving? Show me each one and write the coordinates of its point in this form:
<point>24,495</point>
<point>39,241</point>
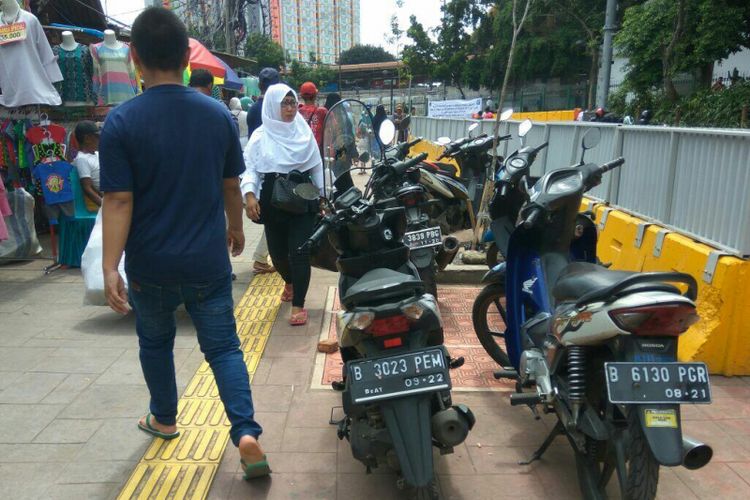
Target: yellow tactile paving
<point>184,468</point>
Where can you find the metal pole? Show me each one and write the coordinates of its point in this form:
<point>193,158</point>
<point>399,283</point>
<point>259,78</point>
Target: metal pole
<point>605,68</point>
<point>227,26</point>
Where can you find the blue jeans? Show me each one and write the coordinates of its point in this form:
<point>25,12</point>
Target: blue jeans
<point>211,308</point>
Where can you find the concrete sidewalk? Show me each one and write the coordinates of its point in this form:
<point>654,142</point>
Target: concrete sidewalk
<point>71,391</point>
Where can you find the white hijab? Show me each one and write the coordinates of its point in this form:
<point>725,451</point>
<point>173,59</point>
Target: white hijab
<point>279,146</point>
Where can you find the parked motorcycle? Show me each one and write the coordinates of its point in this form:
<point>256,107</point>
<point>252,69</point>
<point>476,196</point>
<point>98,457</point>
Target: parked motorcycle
<point>597,348</point>
<point>397,389</point>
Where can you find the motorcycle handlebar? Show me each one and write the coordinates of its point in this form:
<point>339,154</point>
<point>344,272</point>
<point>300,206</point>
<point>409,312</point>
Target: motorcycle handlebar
<point>402,166</point>
<point>540,147</point>
<point>611,165</point>
<point>317,236</point>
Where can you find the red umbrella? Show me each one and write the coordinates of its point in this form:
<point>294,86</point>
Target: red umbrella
<point>200,57</point>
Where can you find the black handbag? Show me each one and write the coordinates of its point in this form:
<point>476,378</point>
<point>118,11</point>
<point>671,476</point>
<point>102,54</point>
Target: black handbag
<point>283,196</point>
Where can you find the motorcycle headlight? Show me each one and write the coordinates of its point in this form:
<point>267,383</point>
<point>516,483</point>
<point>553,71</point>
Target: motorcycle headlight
<point>568,184</point>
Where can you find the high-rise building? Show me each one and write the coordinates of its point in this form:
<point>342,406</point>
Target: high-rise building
<point>315,30</point>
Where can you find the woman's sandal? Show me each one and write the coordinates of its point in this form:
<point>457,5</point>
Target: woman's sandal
<point>154,432</point>
<point>299,318</point>
<point>288,293</point>
<point>257,469</point>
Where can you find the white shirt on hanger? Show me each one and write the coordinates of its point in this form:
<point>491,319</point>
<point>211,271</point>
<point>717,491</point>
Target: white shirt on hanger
<point>28,68</point>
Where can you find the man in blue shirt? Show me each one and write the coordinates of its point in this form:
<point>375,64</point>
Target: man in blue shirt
<point>170,164</point>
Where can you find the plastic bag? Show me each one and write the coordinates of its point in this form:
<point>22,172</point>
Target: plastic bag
<point>22,242</point>
<point>91,267</point>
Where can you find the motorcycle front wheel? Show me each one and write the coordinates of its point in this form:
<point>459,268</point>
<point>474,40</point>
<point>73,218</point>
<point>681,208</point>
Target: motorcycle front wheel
<point>488,316</point>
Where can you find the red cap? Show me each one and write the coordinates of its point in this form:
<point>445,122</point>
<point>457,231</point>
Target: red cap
<point>308,89</point>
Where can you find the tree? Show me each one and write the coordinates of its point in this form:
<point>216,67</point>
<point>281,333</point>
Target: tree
<point>419,57</point>
<point>662,38</point>
<point>265,51</point>
<point>361,54</point>
<point>300,73</point>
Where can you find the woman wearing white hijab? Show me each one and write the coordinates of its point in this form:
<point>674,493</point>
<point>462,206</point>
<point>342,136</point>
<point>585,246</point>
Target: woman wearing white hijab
<point>283,143</point>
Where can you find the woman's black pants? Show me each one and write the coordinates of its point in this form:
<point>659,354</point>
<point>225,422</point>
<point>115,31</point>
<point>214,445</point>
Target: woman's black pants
<point>286,233</point>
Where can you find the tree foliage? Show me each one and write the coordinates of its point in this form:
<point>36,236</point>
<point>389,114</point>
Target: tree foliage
<point>265,51</point>
<point>662,38</point>
<point>361,54</point>
<point>299,73</point>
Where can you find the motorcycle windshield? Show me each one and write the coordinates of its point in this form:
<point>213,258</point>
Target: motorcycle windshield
<point>347,143</point>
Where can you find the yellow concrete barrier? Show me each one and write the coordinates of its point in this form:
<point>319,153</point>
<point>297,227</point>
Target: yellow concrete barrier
<point>547,116</point>
<point>720,337</point>
<point>433,151</point>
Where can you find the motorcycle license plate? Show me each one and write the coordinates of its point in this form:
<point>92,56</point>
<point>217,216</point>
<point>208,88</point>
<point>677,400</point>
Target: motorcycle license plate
<point>665,383</point>
<point>398,376</point>
<point>430,237</point>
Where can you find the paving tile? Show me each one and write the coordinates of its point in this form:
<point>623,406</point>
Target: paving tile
<point>260,377</point>
<point>275,398</point>
<point>101,471</point>
<point>7,379</point>
<point>46,453</point>
<point>556,471</point>
<point>347,464</point>
<point>68,431</point>
<point>487,486</point>
<point>69,389</point>
<point>127,368</point>
<point>26,481</point>
<point>458,462</point>
<point>14,359</point>
<point>79,491</point>
<point>715,480</point>
<point>31,388</point>
<point>310,439</point>
<point>116,439</point>
<point>83,360</point>
<point>288,346</point>
<point>518,428</point>
<point>21,423</point>
<point>15,337</point>
<point>286,486</point>
<point>323,463</point>
<point>222,485</point>
<point>671,486</point>
<point>285,373</point>
<point>500,459</point>
<point>314,411</point>
<point>109,401</point>
<point>368,486</point>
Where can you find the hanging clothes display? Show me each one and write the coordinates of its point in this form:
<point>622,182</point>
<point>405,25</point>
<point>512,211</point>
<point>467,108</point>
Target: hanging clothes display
<point>28,67</point>
<point>114,79</point>
<point>77,68</point>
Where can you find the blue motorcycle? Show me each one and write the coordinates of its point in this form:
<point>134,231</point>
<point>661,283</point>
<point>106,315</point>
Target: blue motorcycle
<point>597,348</point>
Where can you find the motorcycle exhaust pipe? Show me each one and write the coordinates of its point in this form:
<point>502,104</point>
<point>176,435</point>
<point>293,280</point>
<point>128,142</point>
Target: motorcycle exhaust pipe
<point>447,252</point>
<point>695,454</point>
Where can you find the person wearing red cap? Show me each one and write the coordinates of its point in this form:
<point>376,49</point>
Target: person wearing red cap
<point>314,116</point>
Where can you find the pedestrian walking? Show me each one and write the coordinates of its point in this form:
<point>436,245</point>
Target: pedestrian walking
<point>176,241</point>
<point>313,114</point>
<point>282,145</point>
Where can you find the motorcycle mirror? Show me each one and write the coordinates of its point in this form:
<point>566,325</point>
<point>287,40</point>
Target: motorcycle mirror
<point>443,140</point>
<point>307,191</point>
<point>472,128</point>
<point>524,128</point>
<point>505,115</point>
<point>591,138</point>
<point>387,132</point>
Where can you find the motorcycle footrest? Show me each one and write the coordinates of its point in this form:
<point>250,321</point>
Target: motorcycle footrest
<point>511,374</point>
<point>525,398</point>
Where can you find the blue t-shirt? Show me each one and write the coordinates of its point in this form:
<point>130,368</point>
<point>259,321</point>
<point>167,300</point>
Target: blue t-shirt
<point>172,147</point>
<point>55,180</point>
<point>254,116</point>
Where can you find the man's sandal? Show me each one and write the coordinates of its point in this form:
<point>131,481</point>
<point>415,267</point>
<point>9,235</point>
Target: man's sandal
<point>154,432</point>
<point>257,469</point>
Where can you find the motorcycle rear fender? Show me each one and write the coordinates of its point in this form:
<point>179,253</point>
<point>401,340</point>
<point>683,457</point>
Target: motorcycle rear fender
<point>409,422</point>
<point>495,275</point>
<point>665,442</point>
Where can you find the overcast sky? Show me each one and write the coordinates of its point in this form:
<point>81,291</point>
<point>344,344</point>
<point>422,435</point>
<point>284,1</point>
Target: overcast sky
<point>375,16</point>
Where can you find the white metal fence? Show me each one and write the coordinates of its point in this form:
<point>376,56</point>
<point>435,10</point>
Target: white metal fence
<point>694,181</point>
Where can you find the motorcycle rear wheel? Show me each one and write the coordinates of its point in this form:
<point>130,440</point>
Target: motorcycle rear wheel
<point>641,470</point>
<point>488,303</point>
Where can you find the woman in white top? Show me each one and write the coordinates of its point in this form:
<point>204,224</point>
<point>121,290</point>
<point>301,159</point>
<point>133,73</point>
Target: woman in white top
<point>283,143</point>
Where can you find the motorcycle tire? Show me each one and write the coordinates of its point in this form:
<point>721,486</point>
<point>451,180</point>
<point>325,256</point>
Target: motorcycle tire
<point>429,492</point>
<point>427,275</point>
<point>492,341</point>
<point>642,469</point>
<point>492,259</point>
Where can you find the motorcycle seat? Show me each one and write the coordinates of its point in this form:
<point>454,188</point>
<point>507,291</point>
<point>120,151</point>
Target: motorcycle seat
<point>580,279</point>
<point>380,285</point>
<point>443,168</point>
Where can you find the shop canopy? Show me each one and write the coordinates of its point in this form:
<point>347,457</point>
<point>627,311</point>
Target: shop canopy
<point>202,58</point>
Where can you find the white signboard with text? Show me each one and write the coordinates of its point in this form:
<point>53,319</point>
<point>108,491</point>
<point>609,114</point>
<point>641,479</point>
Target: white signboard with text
<point>456,108</point>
